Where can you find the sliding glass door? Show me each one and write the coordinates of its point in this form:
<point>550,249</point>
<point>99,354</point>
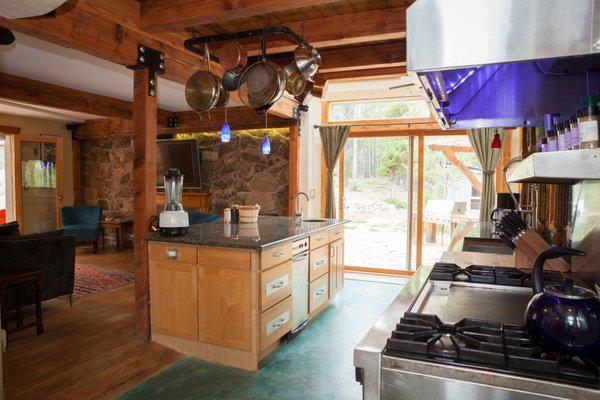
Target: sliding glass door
<point>408,198</point>
<point>373,188</point>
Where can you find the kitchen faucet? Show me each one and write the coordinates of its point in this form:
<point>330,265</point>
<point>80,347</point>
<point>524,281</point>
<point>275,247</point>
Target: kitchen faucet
<point>297,212</point>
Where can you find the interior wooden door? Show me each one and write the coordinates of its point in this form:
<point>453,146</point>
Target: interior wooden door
<point>38,172</point>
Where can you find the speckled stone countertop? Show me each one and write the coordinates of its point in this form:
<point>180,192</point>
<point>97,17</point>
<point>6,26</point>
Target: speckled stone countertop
<point>267,232</point>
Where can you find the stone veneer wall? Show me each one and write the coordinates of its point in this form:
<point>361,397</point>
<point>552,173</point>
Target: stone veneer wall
<point>107,176</point>
<point>233,173</point>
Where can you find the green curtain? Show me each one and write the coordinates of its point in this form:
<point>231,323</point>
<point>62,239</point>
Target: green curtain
<point>333,138</point>
<point>481,140</point>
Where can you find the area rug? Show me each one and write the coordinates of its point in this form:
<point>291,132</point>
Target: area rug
<point>90,280</point>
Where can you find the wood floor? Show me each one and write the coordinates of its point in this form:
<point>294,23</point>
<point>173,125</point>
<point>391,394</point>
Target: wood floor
<point>87,351</point>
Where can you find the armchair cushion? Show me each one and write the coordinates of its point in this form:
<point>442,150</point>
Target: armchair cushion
<point>83,222</point>
<point>10,229</point>
<point>51,253</point>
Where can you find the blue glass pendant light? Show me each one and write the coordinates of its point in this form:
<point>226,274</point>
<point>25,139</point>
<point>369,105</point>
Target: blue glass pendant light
<point>265,145</point>
<point>225,130</point>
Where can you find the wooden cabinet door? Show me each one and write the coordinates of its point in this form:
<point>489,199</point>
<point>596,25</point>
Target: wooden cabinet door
<point>174,299</point>
<point>225,312</point>
<point>336,267</point>
<point>339,273</point>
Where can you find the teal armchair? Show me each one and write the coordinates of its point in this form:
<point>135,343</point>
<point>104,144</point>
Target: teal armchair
<point>83,222</point>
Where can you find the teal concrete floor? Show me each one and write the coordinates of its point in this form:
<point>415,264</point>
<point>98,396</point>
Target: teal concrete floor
<point>316,365</point>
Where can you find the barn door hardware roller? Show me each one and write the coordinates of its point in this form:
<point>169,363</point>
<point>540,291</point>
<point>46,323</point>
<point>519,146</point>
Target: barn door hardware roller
<point>152,60</point>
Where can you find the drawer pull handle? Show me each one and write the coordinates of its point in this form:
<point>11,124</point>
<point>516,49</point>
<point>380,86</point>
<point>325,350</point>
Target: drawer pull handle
<point>278,285</point>
<point>320,239</point>
<point>320,292</point>
<point>319,262</point>
<point>280,322</point>
<point>172,254</point>
<point>278,254</point>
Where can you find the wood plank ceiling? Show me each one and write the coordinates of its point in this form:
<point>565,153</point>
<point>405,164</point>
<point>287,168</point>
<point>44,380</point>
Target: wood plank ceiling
<point>352,35</point>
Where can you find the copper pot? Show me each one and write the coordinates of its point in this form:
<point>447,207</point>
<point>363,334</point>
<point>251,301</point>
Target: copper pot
<point>203,88</point>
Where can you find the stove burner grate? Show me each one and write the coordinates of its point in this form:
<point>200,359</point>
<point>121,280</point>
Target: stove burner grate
<point>507,276</point>
<point>478,343</point>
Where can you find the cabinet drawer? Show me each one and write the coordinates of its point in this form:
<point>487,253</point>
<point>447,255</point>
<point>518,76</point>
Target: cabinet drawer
<point>318,293</point>
<point>319,263</point>
<point>275,322</point>
<point>172,252</point>
<point>275,285</point>
<point>319,239</point>
<point>336,233</point>
<point>275,255</point>
<point>224,257</point>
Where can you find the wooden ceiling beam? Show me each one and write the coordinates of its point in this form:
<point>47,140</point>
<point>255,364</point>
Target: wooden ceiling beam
<point>342,30</point>
<point>322,78</point>
<point>170,15</point>
<point>189,121</point>
<point>45,94</point>
<point>76,26</point>
<point>93,30</point>
<point>368,56</point>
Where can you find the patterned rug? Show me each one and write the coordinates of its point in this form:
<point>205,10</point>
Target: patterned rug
<point>90,280</point>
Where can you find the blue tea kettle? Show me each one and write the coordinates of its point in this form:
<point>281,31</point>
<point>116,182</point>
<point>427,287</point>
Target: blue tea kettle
<point>563,318</point>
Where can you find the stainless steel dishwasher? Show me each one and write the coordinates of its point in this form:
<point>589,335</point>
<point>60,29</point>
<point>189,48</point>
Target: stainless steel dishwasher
<point>299,285</point>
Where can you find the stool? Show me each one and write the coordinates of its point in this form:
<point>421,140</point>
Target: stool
<point>17,278</point>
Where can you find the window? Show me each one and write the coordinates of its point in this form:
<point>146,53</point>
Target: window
<point>376,110</point>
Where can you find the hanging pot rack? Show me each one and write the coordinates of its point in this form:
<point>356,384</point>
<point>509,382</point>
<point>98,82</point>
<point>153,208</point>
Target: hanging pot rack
<point>196,44</point>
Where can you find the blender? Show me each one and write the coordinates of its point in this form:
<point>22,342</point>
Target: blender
<point>173,220</point>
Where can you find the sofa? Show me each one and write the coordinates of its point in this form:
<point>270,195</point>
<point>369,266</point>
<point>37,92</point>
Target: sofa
<point>52,253</point>
<point>83,222</point>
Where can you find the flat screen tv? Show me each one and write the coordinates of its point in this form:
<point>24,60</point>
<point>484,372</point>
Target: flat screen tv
<point>180,154</point>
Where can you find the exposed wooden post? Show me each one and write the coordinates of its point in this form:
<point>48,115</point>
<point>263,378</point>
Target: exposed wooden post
<point>293,187</point>
<point>144,198</point>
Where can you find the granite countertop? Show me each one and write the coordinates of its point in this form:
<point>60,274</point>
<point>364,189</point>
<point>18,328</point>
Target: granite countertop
<point>267,232</point>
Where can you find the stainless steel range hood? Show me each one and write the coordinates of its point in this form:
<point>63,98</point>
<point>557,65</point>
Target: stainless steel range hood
<point>503,63</point>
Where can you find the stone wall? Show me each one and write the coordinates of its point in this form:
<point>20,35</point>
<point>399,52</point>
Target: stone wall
<point>238,173</point>
<point>233,173</point>
<point>107,176</point>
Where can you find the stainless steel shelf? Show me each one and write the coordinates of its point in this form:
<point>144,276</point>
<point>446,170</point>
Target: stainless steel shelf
<point>560,167</point>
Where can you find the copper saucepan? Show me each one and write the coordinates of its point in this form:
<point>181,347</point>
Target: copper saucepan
<point>203,88</point>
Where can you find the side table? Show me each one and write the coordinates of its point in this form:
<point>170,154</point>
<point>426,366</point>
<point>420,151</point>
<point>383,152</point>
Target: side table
<point>17,278</point>
<point>119,226</point>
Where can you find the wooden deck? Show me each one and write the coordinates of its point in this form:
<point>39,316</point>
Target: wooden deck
<point>88,351</point>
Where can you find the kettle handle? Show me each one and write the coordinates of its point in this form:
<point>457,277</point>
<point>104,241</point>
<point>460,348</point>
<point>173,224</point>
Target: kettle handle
<point>548,254</point>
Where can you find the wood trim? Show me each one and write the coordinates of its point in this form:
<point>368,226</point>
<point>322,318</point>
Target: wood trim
<point>77,187</point>
<point>144,200</point>
<point>505,157</point>
<point>17,173</point>
<point>341,186</point>
<point>378,271</point>
<point>420,171</point>
<point>9,130</point>
<point>293,168</point>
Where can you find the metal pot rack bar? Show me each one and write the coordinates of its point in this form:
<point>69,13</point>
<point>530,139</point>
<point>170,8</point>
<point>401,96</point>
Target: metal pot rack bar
<point>196,44</point>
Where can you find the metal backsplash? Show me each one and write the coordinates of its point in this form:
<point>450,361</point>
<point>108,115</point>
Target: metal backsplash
<point>585,224</point>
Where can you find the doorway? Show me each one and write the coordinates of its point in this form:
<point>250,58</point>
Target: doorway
<point>374,182</point>
<point>38,162</point>
<point>409,197</point>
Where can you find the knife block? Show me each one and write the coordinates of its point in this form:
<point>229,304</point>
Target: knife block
<point>529,245</point>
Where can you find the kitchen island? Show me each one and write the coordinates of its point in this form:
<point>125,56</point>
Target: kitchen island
<point>223,292</point>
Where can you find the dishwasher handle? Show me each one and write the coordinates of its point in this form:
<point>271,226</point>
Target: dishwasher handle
<point>300,256</point>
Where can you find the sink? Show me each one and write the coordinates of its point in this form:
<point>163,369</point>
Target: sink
<point>314,220</point>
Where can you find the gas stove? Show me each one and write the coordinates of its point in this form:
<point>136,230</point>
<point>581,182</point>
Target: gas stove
<point>508,276</point>
<point>457,333</point>
<point>487,345</point>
